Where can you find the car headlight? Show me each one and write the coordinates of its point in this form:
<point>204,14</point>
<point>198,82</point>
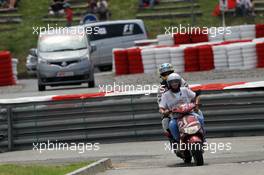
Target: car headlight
<point>43,61</point>
<point>87,57</point>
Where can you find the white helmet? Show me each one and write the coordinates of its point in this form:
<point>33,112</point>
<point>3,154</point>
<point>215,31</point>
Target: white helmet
<point>174,77</point>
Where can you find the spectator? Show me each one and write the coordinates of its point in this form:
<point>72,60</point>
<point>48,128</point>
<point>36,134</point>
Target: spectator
<point>56,8</point>
<point>251,9</point>
<point>244,8</point>
<point>69,13</point>
<point>147,3</point>
<point>3,3</point>
<point>92,6</point>
<point>8,3</point>
<point>12,4</point>
<point>102,10</point>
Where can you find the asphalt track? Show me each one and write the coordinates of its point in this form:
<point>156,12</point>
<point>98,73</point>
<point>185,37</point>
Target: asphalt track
<point>28,87</point>
<point>246,157</point>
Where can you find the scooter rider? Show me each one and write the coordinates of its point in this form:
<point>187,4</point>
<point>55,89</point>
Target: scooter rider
<point>174,96</point>
<point>165,70</point>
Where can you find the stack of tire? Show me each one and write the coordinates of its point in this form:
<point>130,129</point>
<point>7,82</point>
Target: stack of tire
<point>198,36</point>
<point>258,40</point>
<point>177,58</point>
<point>234,54</point>
<point>181,38</point>
<point>191,59</point>
<point>148,60</point>
<point>220,57</point>
<point>259,30</point>
<point>206,58</point>
<point>215,36</point>
<point>162,55</point>
<point>234,34</point>
<point>120,61</point>
<point>235,41</point>
<point>6,70</point>
<point>260,54</point>
<point>14,68</point>
<point>165,40</point>
<point>135,64</point>
<point>247,32</point>
<point>249,55</point>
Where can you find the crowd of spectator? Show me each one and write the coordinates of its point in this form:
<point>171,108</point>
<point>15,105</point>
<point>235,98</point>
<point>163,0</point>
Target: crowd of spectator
<point>62,7</point>
<point>11,4</point>
<point>96,7</point>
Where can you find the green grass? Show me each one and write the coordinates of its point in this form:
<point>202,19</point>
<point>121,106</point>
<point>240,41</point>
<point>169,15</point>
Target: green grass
<point>21,40</point>
<point>11,169</point>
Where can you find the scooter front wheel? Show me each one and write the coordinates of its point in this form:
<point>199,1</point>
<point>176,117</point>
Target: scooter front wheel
<point>198,157</point>
<point>187,156</point>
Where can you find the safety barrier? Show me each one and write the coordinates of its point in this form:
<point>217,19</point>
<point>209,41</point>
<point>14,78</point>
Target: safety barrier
<point>120,64</point>
<point>191,59</point>
<point>14,68</point>
<point>177,58</point>
<point>220,57</point>
<point>134,61</point>
<point>121,119</point>
<point>206,57</point>
<point>260,54</point>
<point>7,76</point>
<point>259,30</point>
<point>166,40</point>
<point>148,60</point>
<point>242,54</point>
<point>237,49</point>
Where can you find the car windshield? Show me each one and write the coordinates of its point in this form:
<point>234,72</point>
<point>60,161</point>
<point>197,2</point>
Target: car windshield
<point>62,43</point>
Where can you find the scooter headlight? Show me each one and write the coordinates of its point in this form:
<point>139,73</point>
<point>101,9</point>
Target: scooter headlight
<point>191,130</point>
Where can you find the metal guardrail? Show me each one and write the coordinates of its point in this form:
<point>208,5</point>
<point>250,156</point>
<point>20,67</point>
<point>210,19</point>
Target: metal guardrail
<point>121,118</point>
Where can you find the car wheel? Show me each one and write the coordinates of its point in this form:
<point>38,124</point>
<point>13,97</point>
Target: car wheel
<point>91,84</point>
<point>41,87</point>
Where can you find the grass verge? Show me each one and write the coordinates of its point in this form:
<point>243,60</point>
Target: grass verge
<point>11,169</point>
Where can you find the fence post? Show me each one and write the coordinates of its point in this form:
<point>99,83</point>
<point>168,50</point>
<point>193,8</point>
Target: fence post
<point>10,127</point>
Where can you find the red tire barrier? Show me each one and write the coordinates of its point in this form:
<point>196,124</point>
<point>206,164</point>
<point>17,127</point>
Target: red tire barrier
<point>197,35</point>
<point>121,62</point>
<point>135,64</point>
<point>180,38</point>
<point>234,41</point>
<point>259,30</point>
<point>216,86</point>
<point>191,59</point>
<point>260,54</point>
<point>78,96</point>
<point>6,72</point>
<point>199,38</point>
<point>206,57</point>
